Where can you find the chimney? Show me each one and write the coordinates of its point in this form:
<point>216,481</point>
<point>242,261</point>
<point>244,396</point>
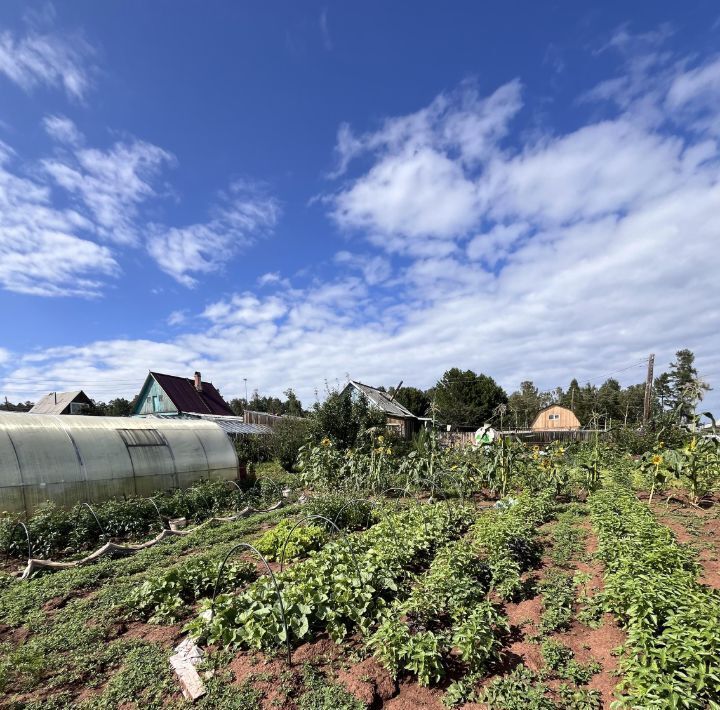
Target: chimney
<point>198,382</point>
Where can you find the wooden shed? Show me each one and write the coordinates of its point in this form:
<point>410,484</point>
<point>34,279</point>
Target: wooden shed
<point>555,417</point>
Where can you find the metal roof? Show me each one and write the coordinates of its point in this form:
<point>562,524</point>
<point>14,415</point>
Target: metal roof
<point>230,425</point>
<point>56,402</point>
<point>182,393</point>
<point>383,400</point>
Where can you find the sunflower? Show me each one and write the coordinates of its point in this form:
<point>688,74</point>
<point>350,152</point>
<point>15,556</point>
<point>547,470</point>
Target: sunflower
<point>656,460</point>
<point>326,442</point>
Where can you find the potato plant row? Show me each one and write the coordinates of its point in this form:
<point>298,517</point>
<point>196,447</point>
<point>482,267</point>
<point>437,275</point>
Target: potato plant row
<point>341,588</point>
<point>447,615</point>
<point>672,621</point>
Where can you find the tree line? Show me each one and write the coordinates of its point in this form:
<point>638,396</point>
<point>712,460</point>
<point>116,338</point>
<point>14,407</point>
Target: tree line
<point>463,398</point>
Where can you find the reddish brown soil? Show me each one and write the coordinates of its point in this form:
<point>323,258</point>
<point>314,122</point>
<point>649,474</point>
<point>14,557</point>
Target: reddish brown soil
<point>265,676</point>
<point>369,682</point>
<point>596,645</point>
<point>706,542</point>
<point>13,635</point>
<point>412,696</point>
<point>155,633</point>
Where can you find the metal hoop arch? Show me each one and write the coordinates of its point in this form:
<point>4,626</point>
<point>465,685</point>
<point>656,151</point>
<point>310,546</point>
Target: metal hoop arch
<point>240,495</point>
<point>258,482</point>
<point>356,500</point>
<point>27,537</point>
<point>248,546</point>
<point>306,519</point>
<point>97,520</point>
<point>154,505</point>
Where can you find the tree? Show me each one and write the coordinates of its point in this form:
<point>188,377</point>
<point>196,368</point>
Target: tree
<point>463,398</point>
<point>238,405</point>
<point>526,403</point>
<point>663,390</point>
<point>343,418</point>
<point>413,399</point>
<point>292,405</point>
<point>686,388</point>
<point>288,435</point>
<point>118,407</point>
<point>608,400</point>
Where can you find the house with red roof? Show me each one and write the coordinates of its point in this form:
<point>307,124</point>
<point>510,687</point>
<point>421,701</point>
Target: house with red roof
<point>170,395</point>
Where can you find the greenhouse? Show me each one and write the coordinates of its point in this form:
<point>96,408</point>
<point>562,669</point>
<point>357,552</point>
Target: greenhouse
<point>68,459</point>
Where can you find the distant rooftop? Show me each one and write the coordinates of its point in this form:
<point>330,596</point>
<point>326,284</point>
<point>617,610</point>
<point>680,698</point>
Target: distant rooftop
<point>383,400</point>
<point>58,402</point>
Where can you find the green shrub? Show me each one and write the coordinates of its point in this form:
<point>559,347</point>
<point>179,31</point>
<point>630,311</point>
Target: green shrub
<point>289,435</point>
<point>555,654</point>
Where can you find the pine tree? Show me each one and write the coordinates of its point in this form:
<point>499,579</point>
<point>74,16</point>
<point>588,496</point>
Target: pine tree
<point>686,388</point>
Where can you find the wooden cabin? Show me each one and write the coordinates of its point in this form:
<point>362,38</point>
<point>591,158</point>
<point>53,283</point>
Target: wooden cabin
<point>555,417</point>
<point>399,419</point>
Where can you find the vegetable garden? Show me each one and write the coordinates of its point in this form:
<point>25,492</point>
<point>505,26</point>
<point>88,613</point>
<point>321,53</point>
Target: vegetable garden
<point>503,576</point>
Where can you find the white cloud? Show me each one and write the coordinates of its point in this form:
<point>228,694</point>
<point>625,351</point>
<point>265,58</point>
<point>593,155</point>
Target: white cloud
<point>243,214</point>
<point>177,318</point>
<point>111,183</point>
<point>63,130</point>
<point>40,250</point>
<point>47,59</point>
<point>375,269</point>
<point>421,186</point>
<point>568,255</point>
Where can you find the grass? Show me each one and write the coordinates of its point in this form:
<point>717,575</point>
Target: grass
<point>76,643</point>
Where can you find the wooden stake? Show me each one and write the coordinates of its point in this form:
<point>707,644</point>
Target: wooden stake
<point>648,389</point>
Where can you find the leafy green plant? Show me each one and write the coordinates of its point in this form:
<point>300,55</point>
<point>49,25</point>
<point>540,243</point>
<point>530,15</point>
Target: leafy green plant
<point>346,512</point>
<point>558,596</point>
<point>477,636</point>
<point>555,654</point>
<point>321,694</point>
<point>579,698</point>
<point>671,619</point>
<point>164,599</point>
<point>518,690</point>
<point>304,539</point>
<point>462,691</point>
<point>560,659</point>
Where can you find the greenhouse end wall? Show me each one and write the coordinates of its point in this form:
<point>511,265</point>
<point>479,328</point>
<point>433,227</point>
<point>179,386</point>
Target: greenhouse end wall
<point>68,459</point>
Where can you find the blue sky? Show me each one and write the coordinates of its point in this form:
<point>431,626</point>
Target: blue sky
<point>297,192</point>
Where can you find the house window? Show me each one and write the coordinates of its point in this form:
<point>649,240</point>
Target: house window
<point>77,407</point>
<point>552,417</point>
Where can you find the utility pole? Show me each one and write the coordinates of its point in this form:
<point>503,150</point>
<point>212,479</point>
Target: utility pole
<point>648,389</point>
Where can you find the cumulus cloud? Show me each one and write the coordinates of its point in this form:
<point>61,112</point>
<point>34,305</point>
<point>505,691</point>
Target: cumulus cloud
<point>242,215</point>
<point>571,253</point>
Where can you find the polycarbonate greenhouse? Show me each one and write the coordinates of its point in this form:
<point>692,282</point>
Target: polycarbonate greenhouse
<point>80,458</point>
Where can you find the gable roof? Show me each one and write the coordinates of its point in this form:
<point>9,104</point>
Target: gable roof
<point>382,400</point>
<point>57,402</point>
<point>182,393</point>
